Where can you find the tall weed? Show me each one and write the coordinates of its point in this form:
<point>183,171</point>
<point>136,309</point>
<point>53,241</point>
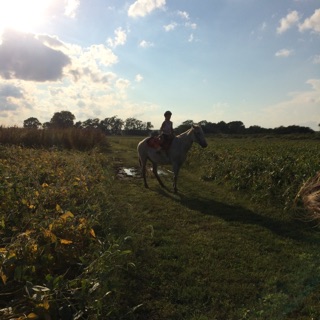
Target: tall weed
<point>71,138</point>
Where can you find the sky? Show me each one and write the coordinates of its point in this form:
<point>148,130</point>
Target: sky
<point>255,61</point>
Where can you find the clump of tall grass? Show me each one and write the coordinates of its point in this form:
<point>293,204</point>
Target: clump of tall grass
<point>70,138</point>
<point>310,196</point>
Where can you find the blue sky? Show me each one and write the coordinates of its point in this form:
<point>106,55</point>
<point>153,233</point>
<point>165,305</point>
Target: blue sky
<point>217,60</point>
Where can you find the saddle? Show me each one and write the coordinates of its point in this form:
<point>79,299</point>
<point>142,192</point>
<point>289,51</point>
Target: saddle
<point>157,142</point>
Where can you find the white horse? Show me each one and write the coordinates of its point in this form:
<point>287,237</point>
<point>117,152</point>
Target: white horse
<point>175,155</point>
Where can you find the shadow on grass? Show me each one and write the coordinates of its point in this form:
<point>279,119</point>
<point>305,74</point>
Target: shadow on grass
<point>284,227</point>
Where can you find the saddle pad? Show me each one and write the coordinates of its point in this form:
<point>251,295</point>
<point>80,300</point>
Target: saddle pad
<point>154,142</point>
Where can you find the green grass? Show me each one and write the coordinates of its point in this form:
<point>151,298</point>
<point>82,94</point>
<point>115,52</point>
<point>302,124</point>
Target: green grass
<point>209,253</point>
<point>212,251</point>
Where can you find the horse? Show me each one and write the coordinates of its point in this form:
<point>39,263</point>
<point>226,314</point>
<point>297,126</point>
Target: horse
<point>175,155</point>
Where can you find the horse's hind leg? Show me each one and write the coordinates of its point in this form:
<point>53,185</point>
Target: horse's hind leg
<point>143,164</point>
<point>155,172</point>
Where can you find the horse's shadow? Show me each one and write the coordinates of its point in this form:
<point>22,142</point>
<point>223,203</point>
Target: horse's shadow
<point>294,229</point>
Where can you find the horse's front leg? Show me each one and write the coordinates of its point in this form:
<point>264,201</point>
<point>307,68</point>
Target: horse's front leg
<point>144,171</point>
<point>155,172</point>
<point>176,168</point>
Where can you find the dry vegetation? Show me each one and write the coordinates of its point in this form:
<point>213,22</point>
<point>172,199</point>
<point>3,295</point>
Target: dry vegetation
<point>310,196</point>
<point>71,138</point>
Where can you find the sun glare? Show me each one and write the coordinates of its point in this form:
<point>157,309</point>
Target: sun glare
<point>21,14</point>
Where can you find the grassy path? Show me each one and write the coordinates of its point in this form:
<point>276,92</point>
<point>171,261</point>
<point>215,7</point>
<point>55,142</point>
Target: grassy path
<point>206,254</point>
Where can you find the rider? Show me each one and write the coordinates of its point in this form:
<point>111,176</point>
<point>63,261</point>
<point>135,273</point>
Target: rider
<point>166,130</point>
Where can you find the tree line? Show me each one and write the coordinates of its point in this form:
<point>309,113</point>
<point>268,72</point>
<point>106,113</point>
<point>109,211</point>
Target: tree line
<point>112,125</point>
<point>132,126</point>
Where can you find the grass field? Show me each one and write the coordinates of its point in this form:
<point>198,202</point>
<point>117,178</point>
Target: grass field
<point>86,241</point>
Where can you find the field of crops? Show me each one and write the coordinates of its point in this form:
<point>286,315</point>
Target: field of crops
<point>267,170</point>
<point>78,242</point>
<point>55,243</point>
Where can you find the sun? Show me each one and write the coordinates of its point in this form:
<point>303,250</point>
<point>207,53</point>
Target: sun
<point>23,15</point>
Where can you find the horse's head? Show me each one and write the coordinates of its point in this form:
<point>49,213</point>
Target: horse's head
<point>199,135</point>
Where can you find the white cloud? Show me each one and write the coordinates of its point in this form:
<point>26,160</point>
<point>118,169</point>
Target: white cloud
<point>290,20</point>
<point>17,100</point>
<point>183,14</point>
<point>138,78</point>
<point>170,27</point>
<point>145,44</point>
<point>11,90</point>
<point>316,59</point>
<point>23,55</point>
<point>191,25</point>
<point>191,38</point>
<point>263,27</point>
<point>312,23</point>
<point>119,39</point>
<point>284,53</point>
<point>122,84</point>
<point>302,108</point>
<point>141,8</point>
<point>85,86</point>
<point>10,94</point>
<point>100,54</point>
<point>315,84</point>
<point>89,64</point>
<point>71,8</point>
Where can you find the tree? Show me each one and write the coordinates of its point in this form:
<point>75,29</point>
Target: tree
<point>149,126</point>
<point>203,123</point>
<point>46,125</point>
<point>258,130</point>
<point>292,129</point>
<point>222,127</point>
<point>236,127</point>
<point>184,126</point>
<point>32,123</point>
<point>134,126</point>
<point>210,127</point>
<point>78,124</point>
<point>111,125</point>
<point>62,119</point>
<point>91,123</point>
